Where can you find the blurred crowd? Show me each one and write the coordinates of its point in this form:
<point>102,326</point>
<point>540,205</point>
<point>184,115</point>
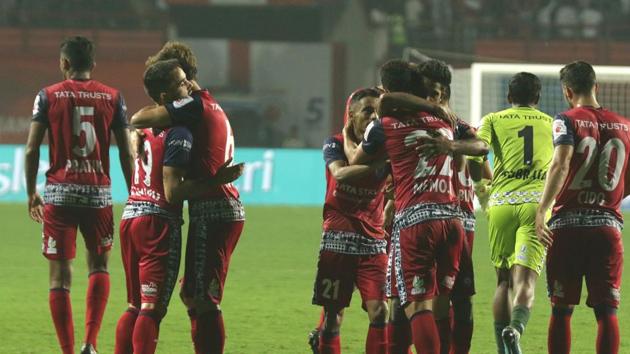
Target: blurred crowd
<point>457,23</point>
<point>80,13</point>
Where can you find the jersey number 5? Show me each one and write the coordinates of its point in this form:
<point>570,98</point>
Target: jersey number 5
<point>86,127</point>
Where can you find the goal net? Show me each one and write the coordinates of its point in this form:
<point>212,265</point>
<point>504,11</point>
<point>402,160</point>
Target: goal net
<point>482,88</point>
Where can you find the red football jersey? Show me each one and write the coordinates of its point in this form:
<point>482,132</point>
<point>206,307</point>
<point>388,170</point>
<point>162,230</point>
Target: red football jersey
<point>354,206</point>
<point>596,176</point>
<point>80,115</point>
<point>417,179</point>
<point>214,139</point>
<point>171,147</point>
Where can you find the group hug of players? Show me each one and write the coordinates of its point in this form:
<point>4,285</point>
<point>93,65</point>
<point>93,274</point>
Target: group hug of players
<point>399,219</point>
<point>179,149</point>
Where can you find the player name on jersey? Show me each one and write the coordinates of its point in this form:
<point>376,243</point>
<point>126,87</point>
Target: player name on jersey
<point>85,166</point>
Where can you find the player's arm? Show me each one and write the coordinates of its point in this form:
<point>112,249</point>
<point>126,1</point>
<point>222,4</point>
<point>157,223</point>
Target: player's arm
<point>564,140</point>
<point>370,149</point>
<point>185,111</point>
<point>441,145</point>
<point>120,127</point>
<point>36,133</point>
<point>392,104</point>
<point>178,145</point>
<point>388,213</point>
<point>336,163</point>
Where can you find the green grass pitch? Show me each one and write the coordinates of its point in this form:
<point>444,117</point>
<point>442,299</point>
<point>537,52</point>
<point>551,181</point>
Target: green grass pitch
<point>267,306</point>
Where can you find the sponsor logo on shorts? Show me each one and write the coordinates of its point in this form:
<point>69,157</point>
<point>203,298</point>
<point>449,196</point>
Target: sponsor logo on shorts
<point>107,240</point>
<point>615,294</point>
<point>448,281</point>
<point>50,247</point>
<point>418,286</point>
<point>558,290</point>
<point>149,289</point>
<point>522,254</point>
<point>213,288</point>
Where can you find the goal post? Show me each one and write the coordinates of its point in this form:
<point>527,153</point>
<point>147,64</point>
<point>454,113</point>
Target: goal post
<point>482,88</point>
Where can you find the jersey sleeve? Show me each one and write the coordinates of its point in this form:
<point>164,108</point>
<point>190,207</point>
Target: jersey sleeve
<point>333,151</point>
<point>120,114</point>
<point>484,133</point>
<point>178,144</point>
<point>185,111</point>
<point>464,130</point>
<point>40,108</point>
<point>374,137</point>
<point>563,132</point>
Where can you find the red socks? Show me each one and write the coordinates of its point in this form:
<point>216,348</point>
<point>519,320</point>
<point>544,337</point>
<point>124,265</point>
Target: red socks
<point>444,330</point>
<point>61,310</point>
<point>208,332</point>
<point>399,337</point>
<point>124,332</point>
<point>461,334</point>
<point>376,341</point>
<point>424,332</point>
<point>559,336</point>
<point>329,343</point>
<point>97,295</point>
<point>145,333</point>
<point>607,330</point>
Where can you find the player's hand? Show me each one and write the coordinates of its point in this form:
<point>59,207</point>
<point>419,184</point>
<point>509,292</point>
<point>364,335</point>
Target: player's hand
<point>136,140</point>
<point>433,146</point>
<point>348,132</point>
<point>36,207</point>
<point>542,230</point>
<point>228,174</point>
<point>389,191</point>
<point>482,191</point>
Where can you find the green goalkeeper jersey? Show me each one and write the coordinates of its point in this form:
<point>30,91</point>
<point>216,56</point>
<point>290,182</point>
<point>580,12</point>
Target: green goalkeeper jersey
<point>522,142</point>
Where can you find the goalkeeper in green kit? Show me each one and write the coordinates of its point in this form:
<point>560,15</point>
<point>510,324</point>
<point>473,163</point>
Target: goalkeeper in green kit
<point>521,139</point>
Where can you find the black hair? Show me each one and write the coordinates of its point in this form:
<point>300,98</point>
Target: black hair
<point>158,77</point>
<point>400,76</point>
<point>180,51</point>
<point>79,51</point>
<point>579,76</point>
<point>524,89</point>
<point>437,71</point>
<point>363,93</point>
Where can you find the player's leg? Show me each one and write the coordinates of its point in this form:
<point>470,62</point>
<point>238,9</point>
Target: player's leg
<point>59,247</point>
<point>565,270</point>
<point>127,321</point>
<point>603,280</point>
<point>527,265</point>
<point>448,256</point>
<point>208,252</point>
<point>398,328</point>
<point>370,280</point>
<point>97,228</point>
<point>334,284</point>
<point>461,299</point>
<point>417,283</point>
<point>502,226</point>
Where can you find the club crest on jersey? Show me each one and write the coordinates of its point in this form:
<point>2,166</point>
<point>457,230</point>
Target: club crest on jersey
<point>182,102</point>
<point>559,128</point>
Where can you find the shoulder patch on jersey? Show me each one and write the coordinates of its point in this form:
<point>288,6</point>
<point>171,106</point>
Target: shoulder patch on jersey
<point>559,128</point>
<point>182,102</point>
<point>36,105</point>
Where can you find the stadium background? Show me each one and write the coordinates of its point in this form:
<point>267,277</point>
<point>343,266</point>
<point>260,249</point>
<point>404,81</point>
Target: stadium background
<point>282,70</point>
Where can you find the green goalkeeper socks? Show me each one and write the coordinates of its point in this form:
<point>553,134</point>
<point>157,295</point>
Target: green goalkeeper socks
<point>520,317</point>
<point>498,329</point>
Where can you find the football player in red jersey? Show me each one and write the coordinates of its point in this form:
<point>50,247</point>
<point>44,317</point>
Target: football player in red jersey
<point>353,248</point>
<point>587,180</point>
<point>150,230</point>
<point>216,217</point>
<point>428,233</point>
<point>79,114</point>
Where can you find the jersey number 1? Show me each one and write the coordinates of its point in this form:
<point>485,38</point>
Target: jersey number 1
<point>527,134</point>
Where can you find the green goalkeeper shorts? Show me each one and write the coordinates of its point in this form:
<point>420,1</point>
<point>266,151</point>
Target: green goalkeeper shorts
<point>513,238</point>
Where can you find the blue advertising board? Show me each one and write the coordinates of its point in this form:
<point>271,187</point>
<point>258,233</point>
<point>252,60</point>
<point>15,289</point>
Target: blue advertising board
<point>271,176</point>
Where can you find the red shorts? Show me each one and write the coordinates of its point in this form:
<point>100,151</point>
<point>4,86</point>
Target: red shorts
<point>151,249</point>
<point>428,261</point>
<point>60,230</point>
<point>465,281</point>
<point>208,251</point>
<point>338,273</point>
<point>595,253</point>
